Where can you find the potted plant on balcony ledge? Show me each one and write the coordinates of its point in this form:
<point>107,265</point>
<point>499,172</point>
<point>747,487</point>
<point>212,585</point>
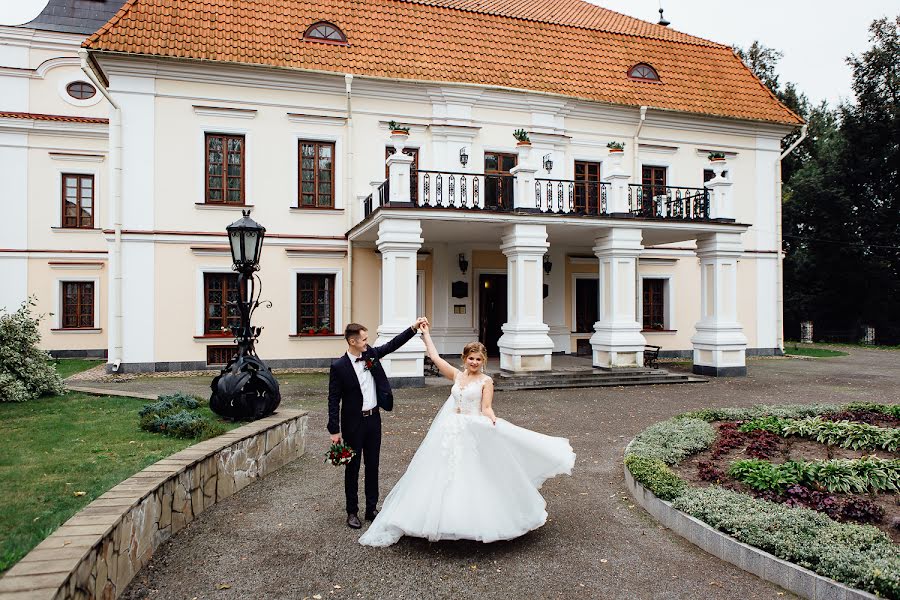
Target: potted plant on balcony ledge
<point>521,137</point>
<point>397,129</point>
<point>616,147</point>
<point>716,157</point>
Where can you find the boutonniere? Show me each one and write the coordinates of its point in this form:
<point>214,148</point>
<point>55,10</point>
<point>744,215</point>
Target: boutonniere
<point>370,362</point>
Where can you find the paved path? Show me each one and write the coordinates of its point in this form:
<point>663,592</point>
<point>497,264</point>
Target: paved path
<point>284,537</point>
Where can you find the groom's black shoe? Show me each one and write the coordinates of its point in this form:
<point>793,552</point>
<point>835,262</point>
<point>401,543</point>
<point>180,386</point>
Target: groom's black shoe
<point>353,521</point>
<point>370,516</point>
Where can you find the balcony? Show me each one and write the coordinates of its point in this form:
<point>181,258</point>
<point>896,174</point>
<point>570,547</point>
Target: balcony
<point>496,193</point>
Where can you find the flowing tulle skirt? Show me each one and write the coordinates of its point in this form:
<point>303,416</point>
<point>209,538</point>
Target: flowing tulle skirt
<point>472,480</point>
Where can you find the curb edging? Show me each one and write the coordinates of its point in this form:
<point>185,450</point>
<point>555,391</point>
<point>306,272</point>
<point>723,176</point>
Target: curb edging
<point>791,577</point>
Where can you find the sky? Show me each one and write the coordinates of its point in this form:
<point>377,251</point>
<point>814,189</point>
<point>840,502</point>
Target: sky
<point>815,36</point>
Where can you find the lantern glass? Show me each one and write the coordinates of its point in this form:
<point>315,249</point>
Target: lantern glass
<point>237,252</point>
<point>245,237</point>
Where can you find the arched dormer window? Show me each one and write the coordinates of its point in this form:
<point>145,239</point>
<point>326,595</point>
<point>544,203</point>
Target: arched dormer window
<point>643,72</point>
<point>324,31</point>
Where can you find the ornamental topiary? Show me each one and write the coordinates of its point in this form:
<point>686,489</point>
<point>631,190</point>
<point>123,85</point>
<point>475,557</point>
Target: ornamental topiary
<point>26,372</point>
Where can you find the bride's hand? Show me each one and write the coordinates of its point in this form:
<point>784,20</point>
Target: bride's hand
<point>489,413</point>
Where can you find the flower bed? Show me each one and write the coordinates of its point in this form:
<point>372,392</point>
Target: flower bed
<point>804,483</point>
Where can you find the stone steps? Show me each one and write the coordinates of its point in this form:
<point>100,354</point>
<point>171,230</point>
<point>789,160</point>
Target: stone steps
<point>588,378</point>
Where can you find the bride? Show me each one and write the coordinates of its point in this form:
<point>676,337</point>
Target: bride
<point>475,477</point>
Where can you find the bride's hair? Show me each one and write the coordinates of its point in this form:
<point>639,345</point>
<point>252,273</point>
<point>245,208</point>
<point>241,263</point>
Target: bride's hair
<point>475,348</point>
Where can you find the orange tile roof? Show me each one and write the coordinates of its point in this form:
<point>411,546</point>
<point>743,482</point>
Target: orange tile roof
<point>566,47</point>
<point>42,117</point>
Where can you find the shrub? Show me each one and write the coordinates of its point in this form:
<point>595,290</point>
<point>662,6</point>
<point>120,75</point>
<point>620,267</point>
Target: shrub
<point>167,402</point>
<point>174,415</point>
<point>653,474</point>
<point>671,441</point>
<point>26,372</point>
<point>791,411</point>
<point>844,476</point>
<point>857,555</point>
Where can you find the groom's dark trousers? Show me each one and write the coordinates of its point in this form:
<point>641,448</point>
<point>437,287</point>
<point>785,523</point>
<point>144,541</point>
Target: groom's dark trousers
<point>362,433</point>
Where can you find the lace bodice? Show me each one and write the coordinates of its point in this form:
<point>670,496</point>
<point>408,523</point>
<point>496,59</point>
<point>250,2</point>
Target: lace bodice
<point>467,398</point>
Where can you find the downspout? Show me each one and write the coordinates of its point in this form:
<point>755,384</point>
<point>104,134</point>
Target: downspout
<point>350,199</point>
<point>115,216</point>
<point>779,281</point>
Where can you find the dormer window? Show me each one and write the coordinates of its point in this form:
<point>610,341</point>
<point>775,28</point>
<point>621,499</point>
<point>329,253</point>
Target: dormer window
<point>325,32</point>
<point>643,72</point>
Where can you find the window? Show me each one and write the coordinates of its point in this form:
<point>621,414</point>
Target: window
<point>587,187</point>
<point>77,305</point>
<point>708,174</point>
<point>643,72</point>
<point>654,304</point>
<point>315,304</point>
<point>654,181</point>
<point>224,169</point>
<point>587,309</point>
<point>498,182</point>
<point>325,32</point>
<point>413,170</point>
<point>219,356</point>
<point>316,174</point>
<point>81,90</point>
<point>77,201</point>
<point>220,293</point>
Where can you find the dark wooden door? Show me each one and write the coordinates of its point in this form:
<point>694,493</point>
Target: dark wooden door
<point>491,311</point>
<point>498,182</point>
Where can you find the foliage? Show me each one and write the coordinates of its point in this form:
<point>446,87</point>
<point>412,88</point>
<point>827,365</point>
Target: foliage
<point>871,417</point>
<point>716,156</point>
<point>796,495</point>
<point>861,510</point>
<point>395,126</point>
<point>521,135</point>
<point>857,555</point>
<point>763,444</point>
<point>728,438</point>
<point>176,415</point>
<point>855,436</point>
<point>26,372</point>
<point>653,474</point>
<point>616,145</point>
<point>789,411</point>
<point>892,410</point>
<point>859,475</point>
<point>709,472</point>
<point>672,440</point>
<point>812,351</point>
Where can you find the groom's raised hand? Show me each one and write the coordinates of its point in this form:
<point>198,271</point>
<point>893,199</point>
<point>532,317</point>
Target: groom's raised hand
<point>421,321</point>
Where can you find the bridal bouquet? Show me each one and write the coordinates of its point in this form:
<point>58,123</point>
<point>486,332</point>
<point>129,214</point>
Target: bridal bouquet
<point>339,454</point>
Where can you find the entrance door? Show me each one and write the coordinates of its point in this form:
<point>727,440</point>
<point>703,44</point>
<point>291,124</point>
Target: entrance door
<point>498,182</point>
<point>491,310</point>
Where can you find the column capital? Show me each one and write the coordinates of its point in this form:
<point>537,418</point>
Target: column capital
<point>719,244</point>
<point>524,239</point>
<point>619,241</point>
<point>399,235</point>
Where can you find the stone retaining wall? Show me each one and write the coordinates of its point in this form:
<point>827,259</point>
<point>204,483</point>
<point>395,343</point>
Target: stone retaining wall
<point>794,578</point>
<point>97,552</point>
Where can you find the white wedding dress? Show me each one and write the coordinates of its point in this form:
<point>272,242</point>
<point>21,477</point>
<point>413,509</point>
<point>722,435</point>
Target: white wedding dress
<point>471,479</point>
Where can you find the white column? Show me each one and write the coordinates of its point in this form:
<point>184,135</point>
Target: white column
<point>524,197</point>
<point>617,179</point>
<point>14,225</point>
<point>721,205</point>
<point>719,344</point>
<point>617,339</point>
<point>398,241</point>
<point>525,345</point>
<point>399,170</point>
<point>555,302</point>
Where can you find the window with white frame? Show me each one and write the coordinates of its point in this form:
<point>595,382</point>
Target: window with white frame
<point>77,305</point>
<point>315,303</point>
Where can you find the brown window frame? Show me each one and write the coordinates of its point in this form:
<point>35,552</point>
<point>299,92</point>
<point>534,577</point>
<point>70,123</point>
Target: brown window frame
<point>651,176</point>
<point>587,187</point>
<point>80,305</point>
<point>215,352</point>
<point>77,90</point>
<point>581,311</point>
<point>316,145</point>
<point>229,284</point>
<point>225,137</point>
<point>653,79</point>
<point>502,187</point>
<point>79,217</point>
<point>311,30</point>
<point>317,278</point>
<point>653,303</point>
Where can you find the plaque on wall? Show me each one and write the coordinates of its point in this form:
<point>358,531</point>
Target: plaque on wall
<point>546,290</point>
<point>459,289</point>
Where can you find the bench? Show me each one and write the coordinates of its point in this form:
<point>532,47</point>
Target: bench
<point>651,356</point>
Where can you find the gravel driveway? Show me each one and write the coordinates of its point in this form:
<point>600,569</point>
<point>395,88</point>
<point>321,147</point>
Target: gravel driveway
<point>285,537</point>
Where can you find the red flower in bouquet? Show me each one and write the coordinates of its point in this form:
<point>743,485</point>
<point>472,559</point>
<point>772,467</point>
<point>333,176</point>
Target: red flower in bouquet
<point>339,454</point>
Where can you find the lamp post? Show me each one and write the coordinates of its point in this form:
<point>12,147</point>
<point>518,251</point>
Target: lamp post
<point>246,389</point>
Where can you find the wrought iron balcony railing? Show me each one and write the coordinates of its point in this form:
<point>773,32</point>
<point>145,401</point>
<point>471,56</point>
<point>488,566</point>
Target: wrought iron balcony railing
<point>377,199</point>
<point>668,202</point>
<point>450,189</point>
<point>570,196</point>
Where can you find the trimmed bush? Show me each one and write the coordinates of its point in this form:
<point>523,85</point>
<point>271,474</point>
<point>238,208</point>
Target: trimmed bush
<point>26,372</point>
<point>791,411</point>
<point>673,440</point>
<point>654,475</point>
<point>175,415</point>
<point>858,555</point>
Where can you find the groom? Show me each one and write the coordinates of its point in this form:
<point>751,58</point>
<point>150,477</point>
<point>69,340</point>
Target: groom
<point>357,389</point>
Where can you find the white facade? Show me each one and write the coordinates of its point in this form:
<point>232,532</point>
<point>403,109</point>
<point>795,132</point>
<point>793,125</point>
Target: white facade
<point>718,277</point>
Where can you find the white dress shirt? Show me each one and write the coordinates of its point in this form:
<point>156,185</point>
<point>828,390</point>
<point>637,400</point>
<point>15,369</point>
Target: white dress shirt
<point>366,383</point>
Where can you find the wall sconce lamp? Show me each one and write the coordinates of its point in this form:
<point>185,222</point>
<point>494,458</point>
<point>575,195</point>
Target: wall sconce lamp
<point>463,156</point>
<point>463,263</point>
<point>548,163</point>
<point>547,264</point>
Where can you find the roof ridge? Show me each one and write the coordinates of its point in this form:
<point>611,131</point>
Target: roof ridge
<point>694,40</point>
<point>123,10</point>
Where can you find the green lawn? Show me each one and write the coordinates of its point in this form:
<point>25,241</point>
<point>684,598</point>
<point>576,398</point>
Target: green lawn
<point>811,350</point>
<point>58,446</point>
<point>69,366</point>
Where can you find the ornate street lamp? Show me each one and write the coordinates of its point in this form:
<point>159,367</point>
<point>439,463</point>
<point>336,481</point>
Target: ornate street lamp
<point>246,389</point>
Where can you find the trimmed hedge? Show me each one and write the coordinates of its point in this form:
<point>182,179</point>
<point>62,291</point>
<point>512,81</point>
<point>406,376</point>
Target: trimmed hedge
<point>791,411</point>
<point>859,555</point>
<point>673,440</point>
<point>654,475</point>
